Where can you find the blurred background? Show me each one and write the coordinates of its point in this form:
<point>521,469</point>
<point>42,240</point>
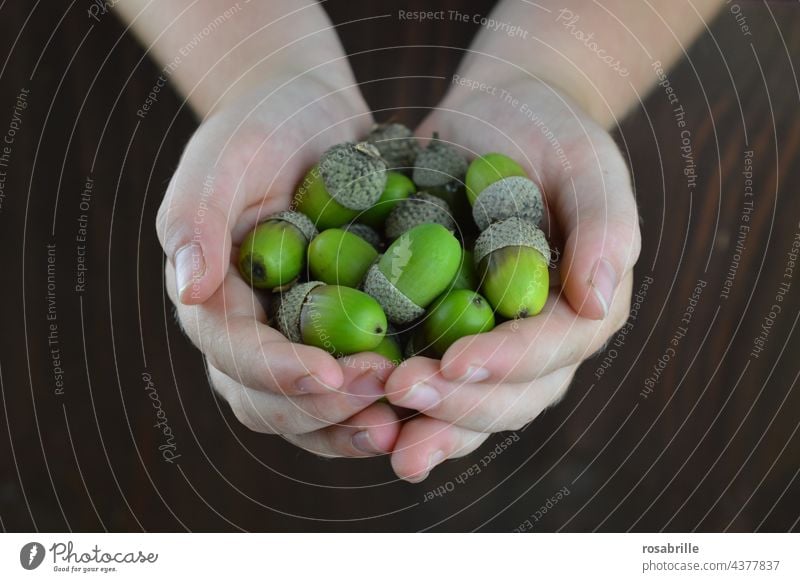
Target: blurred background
<point>706,441</point>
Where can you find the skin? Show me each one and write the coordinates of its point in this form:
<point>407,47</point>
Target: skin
<point>495,381</point>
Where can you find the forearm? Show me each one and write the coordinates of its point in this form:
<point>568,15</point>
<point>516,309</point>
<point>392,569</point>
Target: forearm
<point>600,53</point>
<point>214,50</point>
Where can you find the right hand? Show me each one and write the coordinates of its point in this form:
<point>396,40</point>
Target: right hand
<point>242,165</point>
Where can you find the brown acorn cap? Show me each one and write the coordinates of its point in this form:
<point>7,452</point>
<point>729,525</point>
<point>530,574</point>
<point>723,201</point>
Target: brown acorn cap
<point>298,220</point>
<point>439,164</point>
<point>290,308</point>
<point>420,208</point>
<point>513,196</point>
<point>511,232</point>
<point>368,233</point>
<point>397,144</point>
<point>354,174</point>
<point>399,309</point>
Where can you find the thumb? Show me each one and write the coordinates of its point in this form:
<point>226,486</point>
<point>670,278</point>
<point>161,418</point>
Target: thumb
<point>596,207</point>
<point>193,225</point>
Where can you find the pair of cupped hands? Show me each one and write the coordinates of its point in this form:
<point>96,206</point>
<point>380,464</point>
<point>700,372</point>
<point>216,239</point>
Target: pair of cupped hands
<point>244,163</point>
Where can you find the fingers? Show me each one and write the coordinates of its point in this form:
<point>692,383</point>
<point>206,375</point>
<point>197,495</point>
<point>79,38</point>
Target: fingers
<point>230,329</point>
<point>425,442</point>
<point>595,206</point>
<point>371,432</point>
<point>193,222</point>
<point>277,414</point>
<point>418,385</point>
<point>524,350</point>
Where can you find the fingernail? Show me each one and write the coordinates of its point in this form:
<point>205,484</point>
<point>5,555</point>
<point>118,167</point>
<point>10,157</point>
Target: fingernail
<point>435,458</point>
<point>312,385</point>
<point>363,442</point>
<point>420,397</point>
<point>604,283</point>
<point>365,389</point>
<point>190,265</point>
<point>474,374</point>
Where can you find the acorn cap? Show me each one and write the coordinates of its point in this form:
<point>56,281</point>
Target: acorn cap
<point>368,233</point>
<point>398,308</point>
<point>298,220</point>
<point>439,164</point>
<point>354,174</point>
<point>290,308</point>
<point>421,208</point>
<point>397,144</point>
<point>511,232</point>
<point>513,196</point>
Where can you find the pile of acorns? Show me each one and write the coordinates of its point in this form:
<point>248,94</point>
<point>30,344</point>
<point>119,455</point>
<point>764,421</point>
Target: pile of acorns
<point>381,252</point>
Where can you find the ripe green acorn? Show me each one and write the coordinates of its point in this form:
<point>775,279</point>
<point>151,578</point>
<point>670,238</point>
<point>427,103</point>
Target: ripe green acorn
<point>439,168</point>
<point>421,208</point>
<point>398,188</point>
<point>512,258</point>
<point>389,348</point>
<point>506,198</point>
<point>454,315</point>
<point>397,145</point>
<point>313,200</point>
<point>338,257</point>
<point>414,270</point>
<point>273,254</point>
<point>337,319</point>
<point>488,169</point>
<point>467,277</point>
<point>350,177</point>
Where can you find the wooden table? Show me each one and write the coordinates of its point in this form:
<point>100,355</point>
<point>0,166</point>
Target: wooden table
<point>700,433</point>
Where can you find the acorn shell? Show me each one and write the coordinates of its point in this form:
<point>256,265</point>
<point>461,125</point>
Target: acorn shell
<point>290,308</point>
<point>396,143</point>
<point>298,220</point>
<point>354,174</point>
<point>399,309</point>
<point>515,196</point>
<point>439,164</point>
<point>512,232</point>
<point>368,233</point>
<point>421,208</point>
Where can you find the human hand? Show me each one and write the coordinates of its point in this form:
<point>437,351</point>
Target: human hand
<point>242,165</point>
<point>503,379</point>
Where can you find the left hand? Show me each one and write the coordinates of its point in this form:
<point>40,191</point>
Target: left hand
<point>502,380</point>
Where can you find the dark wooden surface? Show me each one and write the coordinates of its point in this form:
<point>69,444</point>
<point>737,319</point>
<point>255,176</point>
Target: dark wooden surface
<point>714,447</point>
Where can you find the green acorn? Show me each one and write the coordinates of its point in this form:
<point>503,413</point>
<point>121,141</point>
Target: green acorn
<point>512,258</point>
<point>389,349</point>
<point>350,177</point>
<point>488,169</point>
<point>340,320</point>
<point>338,257</point>
<point>398,188</point>
<point>421,208</point>
<point>397,145</point>
<point>440,168</point>
<point>513,196</point>
<point>273,254</point>
<point>313,200</point>
<point>454,315</point>
<point>368,233</point>
<point>467,277</point>
<point>414,270</point>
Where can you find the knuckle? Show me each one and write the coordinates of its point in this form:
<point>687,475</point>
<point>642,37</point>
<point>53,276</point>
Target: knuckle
<point>244,411</point>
